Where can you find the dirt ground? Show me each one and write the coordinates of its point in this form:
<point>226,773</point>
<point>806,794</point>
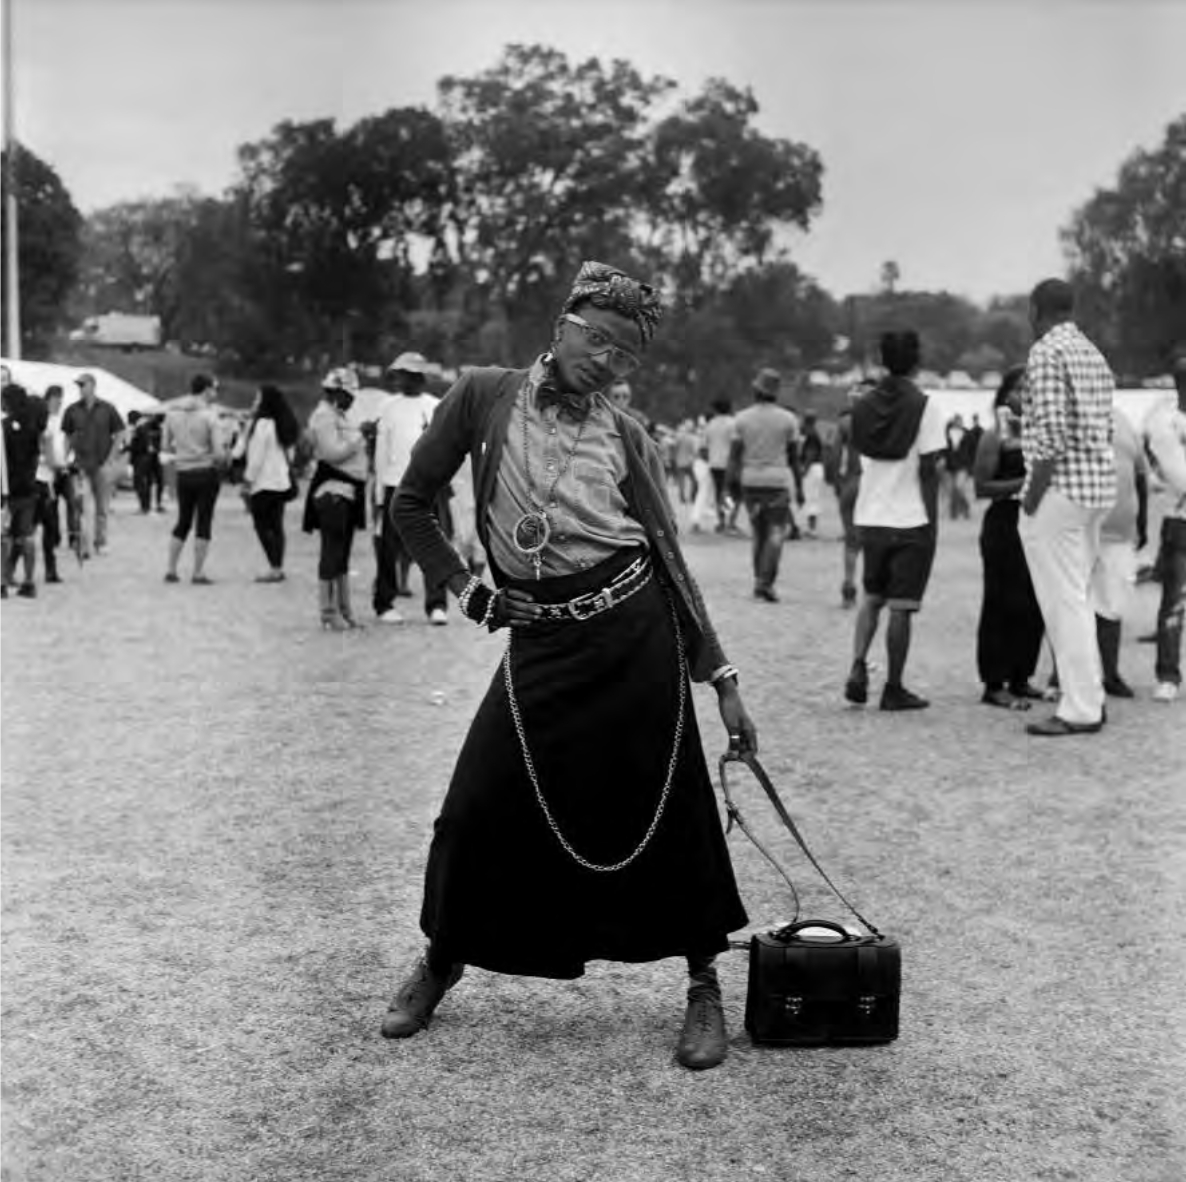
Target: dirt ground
<point>215,819</point>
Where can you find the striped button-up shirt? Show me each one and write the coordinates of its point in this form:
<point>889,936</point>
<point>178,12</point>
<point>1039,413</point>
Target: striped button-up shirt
<point>1066,416</point>
<point>579,490</point>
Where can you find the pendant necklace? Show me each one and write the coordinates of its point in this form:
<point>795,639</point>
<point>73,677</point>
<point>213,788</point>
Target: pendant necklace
<point>533,529</point>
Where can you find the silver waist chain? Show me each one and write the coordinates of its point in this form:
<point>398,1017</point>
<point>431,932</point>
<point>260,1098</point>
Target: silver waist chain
<point>671,763</point>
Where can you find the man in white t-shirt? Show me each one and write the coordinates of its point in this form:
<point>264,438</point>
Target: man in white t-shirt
<point>403,419</point>
<point>900,435</point>
<point>719,434</point>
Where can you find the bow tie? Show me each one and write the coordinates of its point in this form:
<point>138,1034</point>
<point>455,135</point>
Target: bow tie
<point>573,406</point>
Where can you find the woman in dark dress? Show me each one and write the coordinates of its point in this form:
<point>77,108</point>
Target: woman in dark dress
<point>1009,638</point>
<point>580,823</point>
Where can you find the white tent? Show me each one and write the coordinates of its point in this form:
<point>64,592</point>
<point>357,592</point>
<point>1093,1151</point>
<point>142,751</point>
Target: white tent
<point>1134,403</point>
<point>35,376</point>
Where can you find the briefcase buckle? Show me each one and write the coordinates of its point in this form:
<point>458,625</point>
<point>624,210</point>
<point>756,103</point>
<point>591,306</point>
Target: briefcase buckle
<point>866,1005</point>
<point>793,1006</point>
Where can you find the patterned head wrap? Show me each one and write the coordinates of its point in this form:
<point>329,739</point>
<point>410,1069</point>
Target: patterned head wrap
<point>607,287</point>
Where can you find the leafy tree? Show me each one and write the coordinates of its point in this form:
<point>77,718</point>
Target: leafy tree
<point>48,244</point>
<point>1127,250</point>
<point>130,257</point>
<point>335,215</point>
<point>552,159</point>
<point>726,188</point>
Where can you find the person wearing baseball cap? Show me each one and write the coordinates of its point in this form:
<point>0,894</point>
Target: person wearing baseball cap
<point>404,418</point>
<point>95,431</point>
<point>336,503</point>
<point>764,436</point>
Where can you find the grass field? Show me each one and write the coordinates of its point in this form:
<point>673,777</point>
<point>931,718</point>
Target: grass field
<point>215,823</point>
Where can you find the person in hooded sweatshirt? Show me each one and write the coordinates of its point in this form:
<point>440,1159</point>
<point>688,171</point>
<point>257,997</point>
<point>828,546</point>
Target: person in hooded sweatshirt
<point>900,434</point>
<point>193,435</point>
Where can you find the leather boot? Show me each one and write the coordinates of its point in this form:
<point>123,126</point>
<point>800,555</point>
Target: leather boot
<point>703,1042</point>
<point>1108,636</point>
<point>327,601</point>
<point>413,1006</point>
<point>345,609</point>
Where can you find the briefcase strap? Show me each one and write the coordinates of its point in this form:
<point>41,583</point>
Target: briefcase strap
<point>733,755</point>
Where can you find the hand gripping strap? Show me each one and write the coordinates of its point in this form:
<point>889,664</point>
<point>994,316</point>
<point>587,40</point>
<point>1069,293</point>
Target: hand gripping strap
<point>733,755</point>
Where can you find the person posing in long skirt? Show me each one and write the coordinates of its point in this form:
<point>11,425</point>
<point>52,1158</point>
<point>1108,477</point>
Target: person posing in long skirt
<point>1009,638</point>
<point>266,447</point>
<point>580,823</point>
<point>335,506</point>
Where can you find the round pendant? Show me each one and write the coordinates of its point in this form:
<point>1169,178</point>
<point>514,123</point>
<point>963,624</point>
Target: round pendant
<point>531,533</point>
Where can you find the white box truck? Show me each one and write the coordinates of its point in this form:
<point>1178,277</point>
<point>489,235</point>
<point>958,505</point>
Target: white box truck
<point>120,330</point>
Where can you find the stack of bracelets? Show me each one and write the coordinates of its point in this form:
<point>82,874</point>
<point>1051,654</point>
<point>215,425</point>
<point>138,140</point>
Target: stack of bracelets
<point>723,672</point>
<point>477,603</point>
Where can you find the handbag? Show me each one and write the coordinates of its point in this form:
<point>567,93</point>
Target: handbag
<point>814,982</point>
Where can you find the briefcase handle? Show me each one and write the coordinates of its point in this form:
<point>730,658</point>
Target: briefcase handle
<point>736,755</point>
<point>791,930</point>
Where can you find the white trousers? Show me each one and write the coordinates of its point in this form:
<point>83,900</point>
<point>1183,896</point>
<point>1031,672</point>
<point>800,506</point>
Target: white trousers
<point>1062,542</point>
<point>1113,578</point>
<point>813,489</point>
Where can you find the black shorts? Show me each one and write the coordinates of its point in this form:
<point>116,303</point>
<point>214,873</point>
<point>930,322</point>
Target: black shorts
<point>897,564</point>
<point>22,516</point>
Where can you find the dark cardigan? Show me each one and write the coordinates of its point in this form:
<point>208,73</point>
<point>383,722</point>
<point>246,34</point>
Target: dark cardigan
<point>472,420</point>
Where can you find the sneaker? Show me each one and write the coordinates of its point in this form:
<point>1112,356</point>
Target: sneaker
<point>27,591</point>
<point>856,688</point>
<point>767,593</point>
<point>172,578</point>
<point>438,616</point>
<point>390,616</point>
<point>1166,691</point>
<point>898,697</point>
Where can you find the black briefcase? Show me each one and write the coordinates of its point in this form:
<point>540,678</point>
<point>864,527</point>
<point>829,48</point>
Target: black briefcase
<point>833,988</point>
<point>815,982</point>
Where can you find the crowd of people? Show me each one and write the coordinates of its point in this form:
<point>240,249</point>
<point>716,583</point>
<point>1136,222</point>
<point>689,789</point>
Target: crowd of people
<point>889,459</point>
<point>549,481</point>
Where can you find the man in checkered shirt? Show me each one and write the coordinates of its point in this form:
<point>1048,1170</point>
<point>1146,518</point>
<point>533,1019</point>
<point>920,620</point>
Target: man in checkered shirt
<point>1066,436</point>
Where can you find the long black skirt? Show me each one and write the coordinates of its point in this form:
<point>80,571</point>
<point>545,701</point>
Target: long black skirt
<point>1009,637</point>
<point>598,702</point>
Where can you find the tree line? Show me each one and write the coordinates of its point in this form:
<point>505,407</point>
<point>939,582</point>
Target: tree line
<point>456,231</point>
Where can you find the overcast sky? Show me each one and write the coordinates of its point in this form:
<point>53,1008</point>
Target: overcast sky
<point>957,136</point>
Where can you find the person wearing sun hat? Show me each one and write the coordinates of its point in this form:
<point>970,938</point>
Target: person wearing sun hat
<point>336,502</point>
<point>580,822</point>
<point>404,418</point>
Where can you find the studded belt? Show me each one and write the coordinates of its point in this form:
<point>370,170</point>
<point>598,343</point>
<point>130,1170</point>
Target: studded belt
<point>626,583</point>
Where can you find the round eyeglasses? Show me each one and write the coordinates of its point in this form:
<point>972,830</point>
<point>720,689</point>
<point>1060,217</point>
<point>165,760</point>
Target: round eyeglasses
<point>617,360</point>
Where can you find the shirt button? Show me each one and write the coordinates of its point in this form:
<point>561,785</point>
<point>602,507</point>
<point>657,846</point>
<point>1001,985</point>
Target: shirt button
<point>551,466</point>
<point>660,533</point>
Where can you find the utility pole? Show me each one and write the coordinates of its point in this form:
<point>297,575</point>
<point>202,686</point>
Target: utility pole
<point>12,293</point>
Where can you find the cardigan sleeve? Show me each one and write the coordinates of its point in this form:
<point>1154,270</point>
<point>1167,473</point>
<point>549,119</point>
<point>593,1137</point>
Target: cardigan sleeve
<point>436,456</point>
<point>704,653</point>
